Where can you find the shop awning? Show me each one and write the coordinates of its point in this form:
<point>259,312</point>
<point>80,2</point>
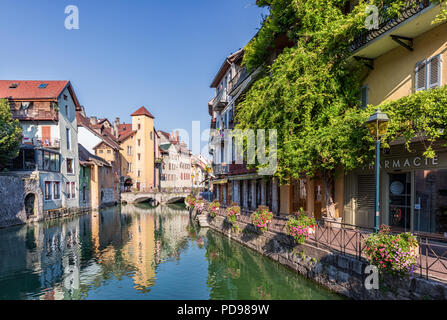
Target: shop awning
<point>219,181</point>
<point>245,176</point>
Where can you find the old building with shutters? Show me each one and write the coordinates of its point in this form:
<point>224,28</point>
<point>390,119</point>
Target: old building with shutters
<point>47,113</point>
<point>405,57</point>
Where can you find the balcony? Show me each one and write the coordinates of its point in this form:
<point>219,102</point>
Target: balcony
<point>414,20</point>
<point>236,169</point>
<point>220,169</point>
<point>47,142</point>
<point>35,114</point>
<point>220,101</point>
<point>240,76</point>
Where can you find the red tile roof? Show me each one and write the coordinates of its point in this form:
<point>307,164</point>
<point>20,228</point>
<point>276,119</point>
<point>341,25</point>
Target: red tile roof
<point>126,127</point>
<point>142,112</point>
<point>124,135</point>
<point>30,89</point>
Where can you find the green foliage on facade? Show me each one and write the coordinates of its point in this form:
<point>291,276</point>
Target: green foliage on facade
<point>10,134</point>
<point>310,93</point>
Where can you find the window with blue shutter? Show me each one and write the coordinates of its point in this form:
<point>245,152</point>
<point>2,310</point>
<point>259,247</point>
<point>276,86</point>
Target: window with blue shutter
<point>364,96</point>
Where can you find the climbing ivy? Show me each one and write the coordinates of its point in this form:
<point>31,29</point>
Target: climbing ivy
<point>310,93</point>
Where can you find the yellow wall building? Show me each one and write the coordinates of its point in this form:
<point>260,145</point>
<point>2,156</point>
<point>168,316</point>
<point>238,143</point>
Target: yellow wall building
<point>138,146</point>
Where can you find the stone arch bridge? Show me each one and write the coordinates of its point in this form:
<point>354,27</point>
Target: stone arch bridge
<point>158,197</point>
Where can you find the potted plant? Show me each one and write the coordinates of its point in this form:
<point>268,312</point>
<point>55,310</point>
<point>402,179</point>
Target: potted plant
<point>213,208</point>
<point>300,227</point>
<point>261,218</point>
<point>394,254</point>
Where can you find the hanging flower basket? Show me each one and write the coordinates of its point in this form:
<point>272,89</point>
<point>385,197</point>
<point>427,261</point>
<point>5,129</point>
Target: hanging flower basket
<point>213,208</point>
<point>301,227</point>
<point>199,205</point>
<point>232,212</point>
<point>190,201</point>
<point>394,254</point>
<point>261,218</point>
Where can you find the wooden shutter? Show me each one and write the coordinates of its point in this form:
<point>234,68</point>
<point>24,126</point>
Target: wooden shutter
<point>421,75</point>
<point>434,76</point>
<point>364,215</point>
<point>46,135</point>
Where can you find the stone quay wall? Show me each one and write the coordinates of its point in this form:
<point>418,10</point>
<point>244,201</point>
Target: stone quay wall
<point>340,273</point>
<point>14,188</point>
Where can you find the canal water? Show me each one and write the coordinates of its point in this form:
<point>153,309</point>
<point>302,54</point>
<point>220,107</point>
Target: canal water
<point>139,252</point>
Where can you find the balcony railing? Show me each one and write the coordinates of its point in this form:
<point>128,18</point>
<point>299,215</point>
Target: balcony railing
<point>386,22</point>
<point>33,114</point>
<point>240,76</point>
<point>47,142</point>
<point>220,101</point>
<point>220,169</point>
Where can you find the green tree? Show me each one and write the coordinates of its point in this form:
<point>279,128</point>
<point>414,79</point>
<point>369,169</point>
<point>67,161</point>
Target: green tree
<point>310,94</point>
<point>10,134</point>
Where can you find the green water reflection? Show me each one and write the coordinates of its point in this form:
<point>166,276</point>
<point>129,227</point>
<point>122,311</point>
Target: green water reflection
<point>139,252</point>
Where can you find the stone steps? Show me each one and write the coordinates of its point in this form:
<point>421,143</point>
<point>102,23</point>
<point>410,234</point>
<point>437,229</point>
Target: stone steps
<point>203,221</point>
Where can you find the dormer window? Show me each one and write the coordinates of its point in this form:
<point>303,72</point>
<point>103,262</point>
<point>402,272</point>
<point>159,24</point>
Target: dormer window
<point>43,85</point>
<point>26,105</point>
<point>13,85</point>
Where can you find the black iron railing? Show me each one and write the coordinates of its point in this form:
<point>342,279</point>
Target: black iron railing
<point>347,239</point>
<point>386,22</point>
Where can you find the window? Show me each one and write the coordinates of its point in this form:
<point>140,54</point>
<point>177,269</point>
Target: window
<point>152,135</point>
<point>139,156</point>
<point>67,190</point>
<point>43,85</point>
<point>83,193</point>
<point>68,137</point>
<point>57,190</point>
<point>47,190</point>
<point>13,85</point>
<point>139,142</point>
<point>65,97</point>
<point>139,126</point>
<point>129,150</point>
<point>364,96</point>
<point>109,151</point>
<point>70,165</point>
<point>139,173</point>
<point>73,190</point>
<point>100,151</point>
<point>129,167</point>
<point>428,73</point>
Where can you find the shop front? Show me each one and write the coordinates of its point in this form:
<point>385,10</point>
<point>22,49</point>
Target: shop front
<point>413,192</point>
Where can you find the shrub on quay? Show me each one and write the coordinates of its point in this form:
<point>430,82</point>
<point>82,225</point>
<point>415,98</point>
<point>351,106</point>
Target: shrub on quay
<point>261,218</point>
<point>300,227</point>
<point>394,254</point>
<point>213,208</point>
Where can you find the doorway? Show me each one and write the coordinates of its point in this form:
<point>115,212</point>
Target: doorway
<point>318,198</point>
<point>399,215</point>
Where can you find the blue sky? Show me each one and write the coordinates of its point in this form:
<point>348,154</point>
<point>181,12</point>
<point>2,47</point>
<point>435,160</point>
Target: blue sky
<point>160,54</point>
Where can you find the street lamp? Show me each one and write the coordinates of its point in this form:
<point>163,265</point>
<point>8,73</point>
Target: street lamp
<point>378,126</point>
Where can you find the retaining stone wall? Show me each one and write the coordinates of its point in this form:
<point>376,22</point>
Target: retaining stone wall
<point>340,273</point>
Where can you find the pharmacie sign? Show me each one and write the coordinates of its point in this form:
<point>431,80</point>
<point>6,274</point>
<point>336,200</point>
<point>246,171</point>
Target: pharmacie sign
<point>407,163</point>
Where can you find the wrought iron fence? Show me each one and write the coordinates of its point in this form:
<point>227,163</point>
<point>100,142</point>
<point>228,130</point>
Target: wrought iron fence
<point>349,240</point>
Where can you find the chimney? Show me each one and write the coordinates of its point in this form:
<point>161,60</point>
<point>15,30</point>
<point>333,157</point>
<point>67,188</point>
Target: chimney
<point>176,136</point>
<point>93,120</point>
<point>116,127</point>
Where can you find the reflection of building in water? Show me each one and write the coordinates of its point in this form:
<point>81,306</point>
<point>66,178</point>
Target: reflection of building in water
<point>57,256</point>
<point>139,251</point>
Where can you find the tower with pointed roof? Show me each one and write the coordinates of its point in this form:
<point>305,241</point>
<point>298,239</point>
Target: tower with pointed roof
<point>138,146</point>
